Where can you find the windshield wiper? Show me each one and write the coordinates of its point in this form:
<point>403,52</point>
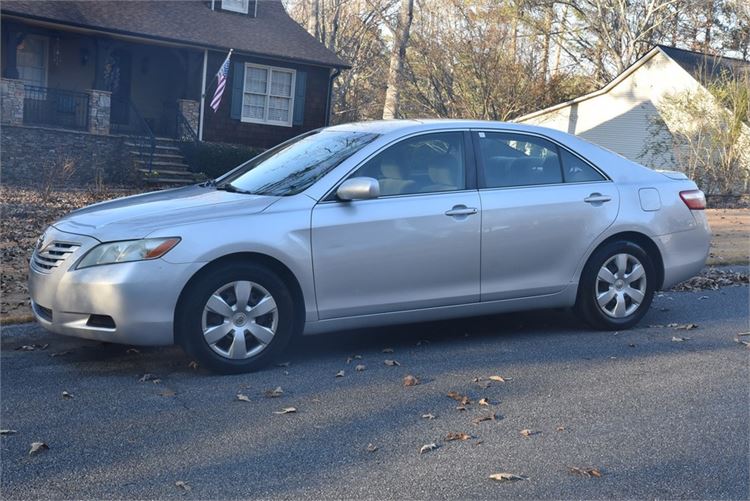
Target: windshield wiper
<point>233,189</point>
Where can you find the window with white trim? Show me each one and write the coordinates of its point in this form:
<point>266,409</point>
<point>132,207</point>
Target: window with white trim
<point>268,95</point>
<point>235,5</point>
<point>31,60</point>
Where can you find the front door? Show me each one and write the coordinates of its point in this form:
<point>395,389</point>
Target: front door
<point>117,76</point>
<point>542,207</point>
<point>417,246</point>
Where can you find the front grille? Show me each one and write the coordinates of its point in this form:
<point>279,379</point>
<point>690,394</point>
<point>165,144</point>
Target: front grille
<point>53,255</point>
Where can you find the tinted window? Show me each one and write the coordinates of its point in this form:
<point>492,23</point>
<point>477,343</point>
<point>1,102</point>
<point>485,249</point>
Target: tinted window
<point>422,164</point>
<point>295,165</point>
<point>518,160</point>
<point>576,170</point>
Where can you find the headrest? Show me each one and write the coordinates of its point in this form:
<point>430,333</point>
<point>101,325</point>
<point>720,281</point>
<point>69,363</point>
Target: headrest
<point>390,169</point>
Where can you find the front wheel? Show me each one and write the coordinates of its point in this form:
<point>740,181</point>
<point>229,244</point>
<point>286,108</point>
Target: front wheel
<point>616,287</point>
<point>236,318</point>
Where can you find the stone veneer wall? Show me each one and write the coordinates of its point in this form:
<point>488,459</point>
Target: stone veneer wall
<point>33,156</point>
<point>11,101</point>
<point>191,111</point>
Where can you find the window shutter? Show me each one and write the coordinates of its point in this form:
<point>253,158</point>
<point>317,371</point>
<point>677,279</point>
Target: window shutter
<point>299,97</point>
<point>238,81</point>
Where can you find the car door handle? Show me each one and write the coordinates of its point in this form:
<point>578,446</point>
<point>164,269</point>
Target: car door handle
<point>461,210</point>
<point>597,198</point>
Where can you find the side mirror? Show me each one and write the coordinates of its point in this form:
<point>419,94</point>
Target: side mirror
<point>359,188</point>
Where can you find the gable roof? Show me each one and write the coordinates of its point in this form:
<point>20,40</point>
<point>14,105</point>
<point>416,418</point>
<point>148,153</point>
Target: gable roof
<point>272,33</point>
<point>697,64</point>
<point>702,66</point>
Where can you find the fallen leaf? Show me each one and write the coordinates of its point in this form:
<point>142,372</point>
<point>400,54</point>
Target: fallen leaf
<point>156,381</point>
<point>32,347</point>
<point>387,350</point>
<point>132,351</point>
<point>391,363</point>
<point>60,353</point>
<point>560,428</point>
<point>428,416</point>
<point>487,417</point>
<point>286,410</point>
<point>371,448</point>
<point>276,392</point>
<point>427,448</point>
<point>182,485</point>
<point>193,365</point>
<point>461,399</point>
<point>484,401</point>
<point>411,381</point>
<point>242,397</point>
<point>360,368</point>
<point>684,327</point>
<point>8,432</point>
<point>457,436</point>
<point>499,379</point>
<point>283,364</point>
<point>460,408</point>
<point>148,377</point>
<point>677,339</point>
<point>656,326</point>
<point>37,447</point>
<point>507,477</point>
<point>340,374</point>
<point>528,433</point>
<point>702,298</point>
<point>67,395</point>
<point>586,472</point>
<point>167,393</point>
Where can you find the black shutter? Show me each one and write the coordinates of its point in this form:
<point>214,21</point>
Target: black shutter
<point>238,81</point>
<point>299,97</point>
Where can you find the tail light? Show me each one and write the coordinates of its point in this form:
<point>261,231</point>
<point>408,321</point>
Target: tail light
<point>694,199</point>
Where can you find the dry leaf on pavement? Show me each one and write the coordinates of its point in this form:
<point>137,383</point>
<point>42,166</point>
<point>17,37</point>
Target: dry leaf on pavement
<point>67,395</point>
<point>586,472</point>
<point>678,339</point>
<point>457,436</point>
<point>560,428</point>
<point>8,432</point>
<point>60,353</point>
<point>148,377</point>
<point>427,448</point>
<point>484,401</point>
<point>507,477</point>
<point>167,393</point>
<point>487,417</point>
<point>286,410</point>
<point>32,347</point>
<point>411,381</point>
<point>276,392</point>
<point>499,379</point>
<point>391,363</point>
<point>182,485</point>
<point>37,447</point>
<point>360,368</point>
<point>684,327</point>
<point>387,350</point>
<point>528,433</point>
<point>193,365</point>
<point>132,351</point>
<point>371,448</point>
<point>340,373</point>
<point>461,399</point>
<point>242,397</point>
<point>428,416</point>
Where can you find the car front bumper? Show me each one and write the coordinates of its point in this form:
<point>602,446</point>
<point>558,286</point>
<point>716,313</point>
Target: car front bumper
<point>138,298</point>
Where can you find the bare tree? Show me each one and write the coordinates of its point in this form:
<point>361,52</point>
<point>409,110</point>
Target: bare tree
<point>398,55</point>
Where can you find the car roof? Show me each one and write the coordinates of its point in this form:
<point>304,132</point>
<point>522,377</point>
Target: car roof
<point>403,126</point>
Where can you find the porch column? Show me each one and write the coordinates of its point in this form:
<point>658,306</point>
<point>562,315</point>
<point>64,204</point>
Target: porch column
<point>191,111</point>
<point>100,102</point>
<point>12,94</point>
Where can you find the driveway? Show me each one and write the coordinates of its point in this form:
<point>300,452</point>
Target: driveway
<point>657,418</point>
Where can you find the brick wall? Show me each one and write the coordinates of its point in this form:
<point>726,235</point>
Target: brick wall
<point>31,156</point>
<point>220,127</point>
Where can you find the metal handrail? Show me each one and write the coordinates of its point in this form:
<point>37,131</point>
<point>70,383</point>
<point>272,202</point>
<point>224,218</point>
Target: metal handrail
<point>142,133</point>
<point>185,131</point>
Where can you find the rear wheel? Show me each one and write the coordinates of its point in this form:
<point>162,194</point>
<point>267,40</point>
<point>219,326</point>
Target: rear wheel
<point>617,286</point>
<point>236,318</point>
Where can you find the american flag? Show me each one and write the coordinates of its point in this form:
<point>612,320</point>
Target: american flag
<point>221,78</point>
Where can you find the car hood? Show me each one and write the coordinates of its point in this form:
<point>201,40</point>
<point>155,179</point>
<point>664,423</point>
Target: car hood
<point>139,215</point>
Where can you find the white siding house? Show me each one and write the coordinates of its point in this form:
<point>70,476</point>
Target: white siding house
<point>621,116</point>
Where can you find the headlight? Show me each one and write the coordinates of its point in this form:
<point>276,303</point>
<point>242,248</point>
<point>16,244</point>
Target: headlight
<point>127,250</point>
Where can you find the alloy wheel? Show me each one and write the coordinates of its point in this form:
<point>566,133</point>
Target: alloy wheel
<point>240,320</point>
<point>620,285</point>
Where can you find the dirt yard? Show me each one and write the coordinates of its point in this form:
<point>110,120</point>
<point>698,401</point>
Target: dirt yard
<point>25,214</point>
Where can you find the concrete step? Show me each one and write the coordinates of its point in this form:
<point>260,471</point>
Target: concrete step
<point>158,154</point>
<point>172,172</point>
<point>164,164</point>
<point>170,180</point>
<point>159,147</point>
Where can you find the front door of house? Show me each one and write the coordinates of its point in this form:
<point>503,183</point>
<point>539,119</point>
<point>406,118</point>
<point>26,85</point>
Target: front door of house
<point>117,76</point>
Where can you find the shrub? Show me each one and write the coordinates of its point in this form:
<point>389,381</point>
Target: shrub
<point>215,159</point>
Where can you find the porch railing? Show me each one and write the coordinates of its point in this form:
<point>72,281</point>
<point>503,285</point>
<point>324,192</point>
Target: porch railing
<point>139,131</point>
<point>56,107</point>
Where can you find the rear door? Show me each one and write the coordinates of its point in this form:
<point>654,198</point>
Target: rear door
<point>542,207</point>
<point>416,246</point>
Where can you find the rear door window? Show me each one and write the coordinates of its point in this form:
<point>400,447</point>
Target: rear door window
<point>518,160</point>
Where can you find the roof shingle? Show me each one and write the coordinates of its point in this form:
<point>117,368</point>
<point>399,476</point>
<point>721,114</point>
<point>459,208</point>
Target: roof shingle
<point>272,33</point>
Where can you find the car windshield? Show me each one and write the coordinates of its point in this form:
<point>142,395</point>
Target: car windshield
<point>295,165</point>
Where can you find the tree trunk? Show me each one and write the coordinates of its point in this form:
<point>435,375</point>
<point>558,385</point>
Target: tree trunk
<point>313,21</point>
<point>398,54</point>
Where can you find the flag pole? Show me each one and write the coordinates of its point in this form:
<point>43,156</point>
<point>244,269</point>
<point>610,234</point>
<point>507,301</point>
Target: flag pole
<point>203,95</point>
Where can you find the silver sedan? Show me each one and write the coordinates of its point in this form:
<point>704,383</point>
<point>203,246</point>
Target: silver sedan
<point>369,224</point>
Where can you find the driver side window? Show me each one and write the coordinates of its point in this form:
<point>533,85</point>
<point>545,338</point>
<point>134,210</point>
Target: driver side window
<point>426,163</point>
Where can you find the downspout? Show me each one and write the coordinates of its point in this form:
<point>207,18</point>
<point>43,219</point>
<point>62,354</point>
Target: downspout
<point>203,95</point>
<point>333,76</point>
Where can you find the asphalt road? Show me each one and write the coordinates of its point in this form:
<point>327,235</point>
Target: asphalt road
<point>658,418</point>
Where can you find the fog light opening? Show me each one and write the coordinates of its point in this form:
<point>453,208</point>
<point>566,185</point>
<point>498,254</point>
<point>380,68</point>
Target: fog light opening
<point>101,321</point>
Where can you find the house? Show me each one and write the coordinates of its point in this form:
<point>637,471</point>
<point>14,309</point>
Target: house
<point>628,113</point>
<point>110,75</point>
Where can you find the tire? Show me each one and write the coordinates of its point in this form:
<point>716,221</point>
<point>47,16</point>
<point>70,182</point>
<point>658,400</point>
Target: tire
<point>224,337</point>
<point>619,299</point>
